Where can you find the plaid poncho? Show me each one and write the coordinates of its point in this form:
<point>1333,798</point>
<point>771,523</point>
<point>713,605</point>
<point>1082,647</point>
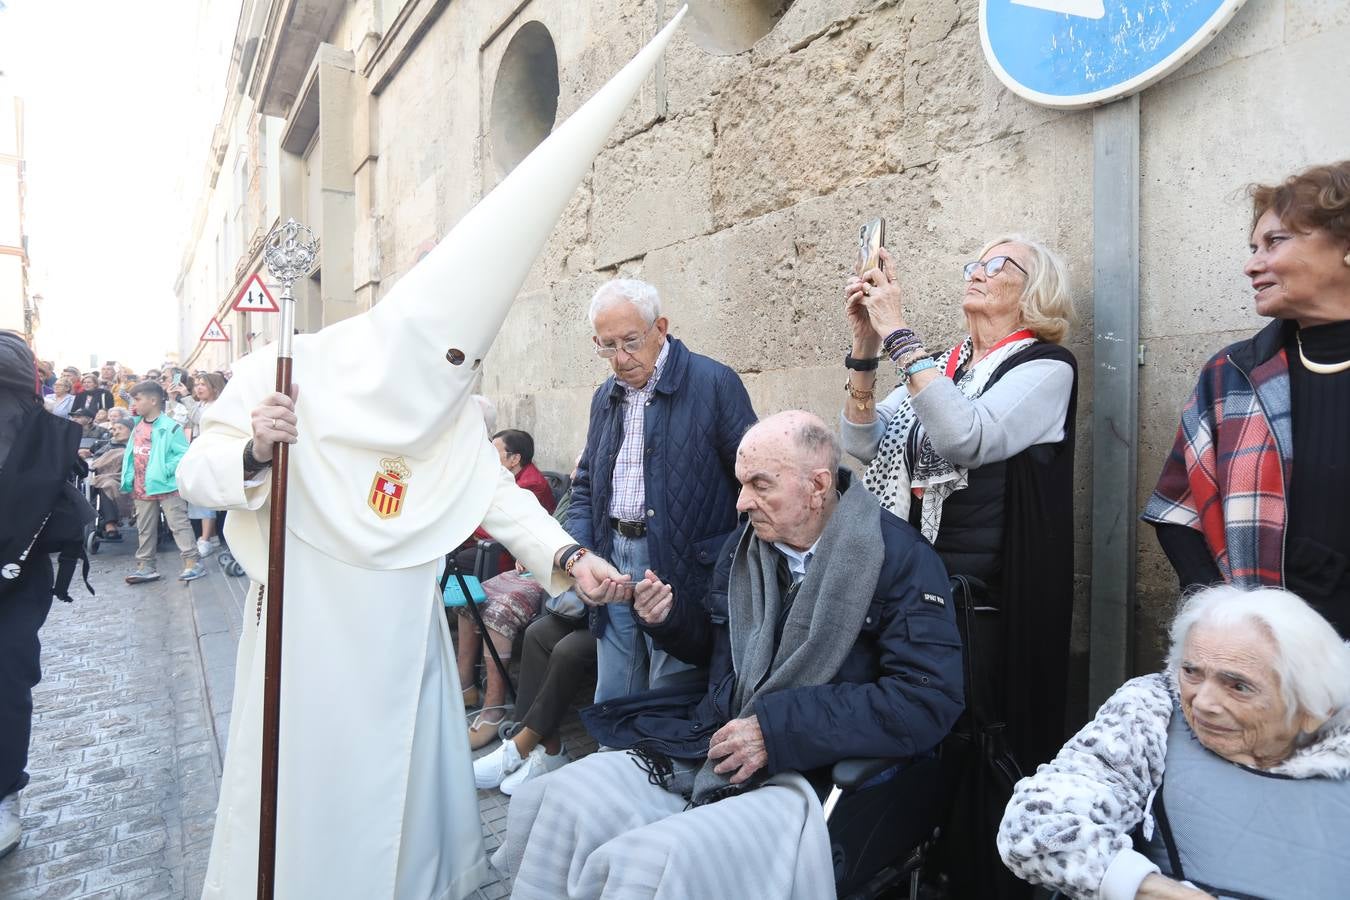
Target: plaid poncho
<point>1228,473</point>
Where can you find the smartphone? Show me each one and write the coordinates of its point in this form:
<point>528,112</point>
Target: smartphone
<point>871,238</point>
<point>177,379</point>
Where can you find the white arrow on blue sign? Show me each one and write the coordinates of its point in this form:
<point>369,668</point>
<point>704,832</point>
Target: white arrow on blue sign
<point>1076,53</point>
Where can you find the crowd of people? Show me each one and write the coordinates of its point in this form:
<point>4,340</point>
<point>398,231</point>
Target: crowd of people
<point>755,611</point>
<point>133,432</point>
<point>725,680</point>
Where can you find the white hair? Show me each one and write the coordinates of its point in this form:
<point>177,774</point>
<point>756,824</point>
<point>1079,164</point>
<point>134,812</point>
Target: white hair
<point>627,290</point>
<point>489,410</point>
<point>1047,308</point>
<point>1312,661</point>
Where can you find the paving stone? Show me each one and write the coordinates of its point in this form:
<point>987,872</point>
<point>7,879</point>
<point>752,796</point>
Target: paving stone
<point>74,864</point>
<point>104,815</point>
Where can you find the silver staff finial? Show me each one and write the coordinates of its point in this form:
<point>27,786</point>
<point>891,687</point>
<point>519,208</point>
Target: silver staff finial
<point>290,251</point>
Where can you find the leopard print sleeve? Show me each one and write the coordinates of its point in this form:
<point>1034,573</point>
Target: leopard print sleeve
<point>1065,824</point>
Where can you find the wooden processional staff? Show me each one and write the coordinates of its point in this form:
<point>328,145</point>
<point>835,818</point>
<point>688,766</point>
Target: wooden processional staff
<point>289,253</point>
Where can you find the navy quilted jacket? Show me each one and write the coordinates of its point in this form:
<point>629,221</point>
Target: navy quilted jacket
<point>693,425</point>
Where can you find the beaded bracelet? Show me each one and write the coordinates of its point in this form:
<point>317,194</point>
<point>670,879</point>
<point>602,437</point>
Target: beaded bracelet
<point>910,358</point>
<point>898,336</point>
<point>573,559</point>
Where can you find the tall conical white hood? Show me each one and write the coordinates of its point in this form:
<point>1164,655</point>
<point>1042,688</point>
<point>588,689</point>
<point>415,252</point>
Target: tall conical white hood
<point>394,382</point>
<point>456,298</point>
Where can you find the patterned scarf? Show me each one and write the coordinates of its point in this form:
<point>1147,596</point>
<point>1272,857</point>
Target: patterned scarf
<point>905,457</point>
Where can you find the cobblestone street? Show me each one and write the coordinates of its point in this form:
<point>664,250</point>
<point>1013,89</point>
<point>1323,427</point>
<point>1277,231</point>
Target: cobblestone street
<point>124,768</point>
<point>129,731</point>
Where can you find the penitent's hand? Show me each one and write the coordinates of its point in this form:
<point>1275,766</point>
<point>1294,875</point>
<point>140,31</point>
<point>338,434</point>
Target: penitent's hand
<point>652,599</point>
<point>739,745</point>
<point>599,583</point>
<point>274,421</point>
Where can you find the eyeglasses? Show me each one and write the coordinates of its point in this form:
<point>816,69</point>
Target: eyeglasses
<point>991,266</point>
<point>629,347</point>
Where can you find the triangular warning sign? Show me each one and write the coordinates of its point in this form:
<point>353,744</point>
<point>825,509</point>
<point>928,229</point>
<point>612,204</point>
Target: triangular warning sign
<point>255,297</point>
<point>214,332</point>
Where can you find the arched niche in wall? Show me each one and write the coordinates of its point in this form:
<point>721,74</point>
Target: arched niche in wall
<point>524,96</point>
<point>731,26</point>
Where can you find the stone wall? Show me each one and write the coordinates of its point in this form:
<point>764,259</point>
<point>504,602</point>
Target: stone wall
<point>737,183</point>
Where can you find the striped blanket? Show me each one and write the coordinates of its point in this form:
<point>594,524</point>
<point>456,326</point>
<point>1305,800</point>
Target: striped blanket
<point>599,829</point>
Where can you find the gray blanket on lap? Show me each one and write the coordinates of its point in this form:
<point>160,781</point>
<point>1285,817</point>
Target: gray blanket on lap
<point>822,624</point>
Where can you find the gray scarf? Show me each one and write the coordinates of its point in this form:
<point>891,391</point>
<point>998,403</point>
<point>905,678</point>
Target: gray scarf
<point>821,627</point>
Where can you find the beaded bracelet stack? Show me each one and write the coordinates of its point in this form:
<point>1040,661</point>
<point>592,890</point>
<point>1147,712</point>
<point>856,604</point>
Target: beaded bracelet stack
<point>907,351</point>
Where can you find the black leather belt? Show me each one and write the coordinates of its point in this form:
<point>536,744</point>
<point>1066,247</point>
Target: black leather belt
<point>629,529</point>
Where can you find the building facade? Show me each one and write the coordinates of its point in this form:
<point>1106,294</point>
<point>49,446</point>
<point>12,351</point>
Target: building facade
<point>18,308</point>
<point>737,183</point>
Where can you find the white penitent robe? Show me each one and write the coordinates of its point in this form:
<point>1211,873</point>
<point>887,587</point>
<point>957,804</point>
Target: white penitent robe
<point>376,796</point>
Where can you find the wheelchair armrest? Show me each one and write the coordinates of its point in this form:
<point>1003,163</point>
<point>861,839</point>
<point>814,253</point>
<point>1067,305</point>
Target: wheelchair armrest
<point>851,774</point>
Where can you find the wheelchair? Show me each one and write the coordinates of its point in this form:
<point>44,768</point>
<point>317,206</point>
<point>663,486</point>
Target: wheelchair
<point>886,816</point>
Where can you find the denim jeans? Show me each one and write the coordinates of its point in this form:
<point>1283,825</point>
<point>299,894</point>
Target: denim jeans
<point>627,663</point>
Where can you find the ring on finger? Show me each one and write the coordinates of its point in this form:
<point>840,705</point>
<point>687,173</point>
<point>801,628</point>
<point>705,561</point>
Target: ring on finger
<point>274,424</point>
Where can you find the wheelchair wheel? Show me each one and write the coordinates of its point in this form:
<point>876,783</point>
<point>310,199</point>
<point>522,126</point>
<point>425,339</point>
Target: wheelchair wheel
<point>508,729</point>
<point>92,542</point>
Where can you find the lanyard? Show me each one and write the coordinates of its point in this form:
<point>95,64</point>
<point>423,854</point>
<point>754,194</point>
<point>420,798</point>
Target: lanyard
<point>954,358</point>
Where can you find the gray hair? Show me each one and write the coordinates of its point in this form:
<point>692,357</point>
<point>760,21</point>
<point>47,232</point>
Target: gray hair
<point>1047,308</point>
<point>627,290</point>
<point>1312,661</point>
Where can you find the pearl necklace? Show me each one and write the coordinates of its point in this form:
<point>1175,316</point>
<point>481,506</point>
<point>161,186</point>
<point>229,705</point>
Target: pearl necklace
<point>1318,368</point>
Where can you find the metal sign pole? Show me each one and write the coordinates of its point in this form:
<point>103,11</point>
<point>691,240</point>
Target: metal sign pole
<point>289,253</point>
<point>1115,393</point>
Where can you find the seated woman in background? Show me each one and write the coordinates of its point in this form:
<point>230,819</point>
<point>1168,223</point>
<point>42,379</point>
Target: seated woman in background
<point>975,449</point>
<point>513,598</point>
<point>1256,489</point>
<point>1229,770</point>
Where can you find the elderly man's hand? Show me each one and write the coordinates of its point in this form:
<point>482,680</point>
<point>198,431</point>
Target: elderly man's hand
<point>652,599</point>
<point>274,421</point>
<point>1160,887</point>
<point>740,746</point>
<point>599,583</point>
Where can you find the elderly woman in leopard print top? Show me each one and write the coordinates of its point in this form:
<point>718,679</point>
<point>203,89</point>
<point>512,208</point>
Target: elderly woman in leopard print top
<point>1249,724</point>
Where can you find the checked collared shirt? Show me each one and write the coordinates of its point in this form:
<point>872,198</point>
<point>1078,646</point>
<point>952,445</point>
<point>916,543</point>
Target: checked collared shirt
<point>628,501</point>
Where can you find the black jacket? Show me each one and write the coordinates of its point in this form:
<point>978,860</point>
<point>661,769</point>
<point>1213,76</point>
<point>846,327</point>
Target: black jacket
<point>897,694</point>
<point>698,413</point>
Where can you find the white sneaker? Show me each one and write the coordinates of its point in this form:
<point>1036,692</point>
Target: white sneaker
<point>205,548</point>
<point>536,764</point>
<point>9,824</point>
<point>488,771</point>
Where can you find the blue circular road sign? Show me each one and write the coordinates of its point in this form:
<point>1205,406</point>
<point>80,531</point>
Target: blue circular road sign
<point>1075,53</point>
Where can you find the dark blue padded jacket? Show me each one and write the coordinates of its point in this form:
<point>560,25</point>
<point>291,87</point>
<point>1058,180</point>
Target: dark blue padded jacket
<point>697,415</point>
<point>897,694</point>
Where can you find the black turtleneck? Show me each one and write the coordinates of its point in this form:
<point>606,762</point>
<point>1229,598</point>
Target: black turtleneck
<point>1317,541</point>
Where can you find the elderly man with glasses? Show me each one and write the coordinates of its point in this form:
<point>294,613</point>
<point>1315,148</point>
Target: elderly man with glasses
<point>656,488</point>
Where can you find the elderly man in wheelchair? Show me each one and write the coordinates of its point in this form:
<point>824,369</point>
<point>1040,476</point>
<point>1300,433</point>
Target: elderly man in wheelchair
<point>828,633</point>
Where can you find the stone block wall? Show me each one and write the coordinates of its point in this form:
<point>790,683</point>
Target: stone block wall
<point>737,183</point>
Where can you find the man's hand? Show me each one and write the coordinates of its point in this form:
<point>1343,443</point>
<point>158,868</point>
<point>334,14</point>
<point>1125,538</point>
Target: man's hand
<point>274,420</point>
<point>740,746</point>
<point>599,583</point>
<point>652,599</point>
